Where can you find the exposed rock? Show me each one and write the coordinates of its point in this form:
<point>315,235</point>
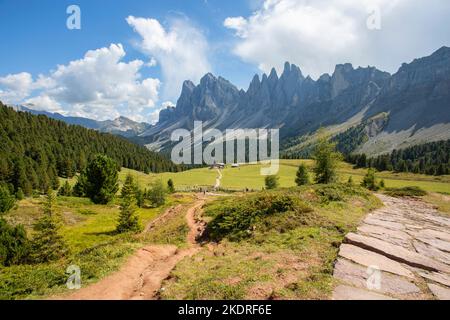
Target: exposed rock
<point>369,258</point>
<point>437,277</point>
<point>440,292</point>
<point>431,252</point>
<point>343,292</point>
<point>396,253</point>
<point>390,284</point>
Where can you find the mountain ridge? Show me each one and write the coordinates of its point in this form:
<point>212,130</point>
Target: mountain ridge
<point>121,126</point>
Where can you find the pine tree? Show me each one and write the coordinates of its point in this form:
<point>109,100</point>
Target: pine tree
<point>271,182</point>
<point>7,200</point>
<point>48,245</point>
<point>170,186</point>
<point>302,177</point>
<point>327,160</point>
<point>100,180</point>
<point>369,180</point>
<point>128,220</point>
<point>65,190</point>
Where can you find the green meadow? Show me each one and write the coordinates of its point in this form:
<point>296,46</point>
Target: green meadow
<point>248,176</point>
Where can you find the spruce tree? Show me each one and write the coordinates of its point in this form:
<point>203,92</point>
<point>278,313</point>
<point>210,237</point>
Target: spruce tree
<point>128,220</point>
<point>100,180</point>
<point>271,182</point>
<point>48,245</point>
<point>65,190</point>
<point>7,200</point>
<point>170,186</point>
<point>327,160</point>
<point>302,176</point>
<point>369,180</point>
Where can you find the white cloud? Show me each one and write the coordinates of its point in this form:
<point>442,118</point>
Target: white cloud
<point>45,103</point>
<point>98,86</point>
<point>181,51</point>
<point>16,87</point>
<point>319,34</point>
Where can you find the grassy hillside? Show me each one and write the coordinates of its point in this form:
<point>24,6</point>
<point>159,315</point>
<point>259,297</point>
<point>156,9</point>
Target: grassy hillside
<point>88,230</point>
<point>271,245</point>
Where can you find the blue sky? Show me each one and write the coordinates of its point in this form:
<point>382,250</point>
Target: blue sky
<point>35,30</point>
<point>104,69</point>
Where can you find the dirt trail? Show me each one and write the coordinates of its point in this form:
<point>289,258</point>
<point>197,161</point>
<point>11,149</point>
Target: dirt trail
<point>401,251</point>
<point>141,276</point>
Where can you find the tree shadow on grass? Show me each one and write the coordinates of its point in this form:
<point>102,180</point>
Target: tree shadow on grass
<point>102,233</point>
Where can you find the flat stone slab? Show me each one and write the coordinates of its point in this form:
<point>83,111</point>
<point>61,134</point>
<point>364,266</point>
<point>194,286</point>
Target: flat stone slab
<point>436,277</point>
<point>439,292</point>
<point>358,276</point>
<point>384,223</point>
<point>397,237</point>
<point>437,243</point>
<point>431,252</point>
<point>428,233</point>
<point>396,253</point>
<point>369,258</point>
<point>343,292</point>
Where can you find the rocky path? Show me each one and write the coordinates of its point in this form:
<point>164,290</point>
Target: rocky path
<point>401,251</point>
<point>141,276</point>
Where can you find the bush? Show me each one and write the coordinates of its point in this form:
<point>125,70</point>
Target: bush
<point>406,192</point>
<point>271,182</point>
<point>338,192</point>
<point>156,194</point>
<point>19,194</point>
<point>14,244</point>
<point>170,186</point>
<point>235,218</point>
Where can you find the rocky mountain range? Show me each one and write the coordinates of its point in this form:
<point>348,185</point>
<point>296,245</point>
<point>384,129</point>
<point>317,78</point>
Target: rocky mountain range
<point>414,102</point>
<point>385,111</point>
<point>121,126</point>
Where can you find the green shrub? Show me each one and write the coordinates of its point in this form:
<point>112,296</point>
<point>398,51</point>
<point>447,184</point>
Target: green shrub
<point>14,244</point>
<point>156,194</point>
<point>235,218</point>
<point>170,186</point>
<point>271,182</point>
<point>406,192</point>
<point>338,192</point>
